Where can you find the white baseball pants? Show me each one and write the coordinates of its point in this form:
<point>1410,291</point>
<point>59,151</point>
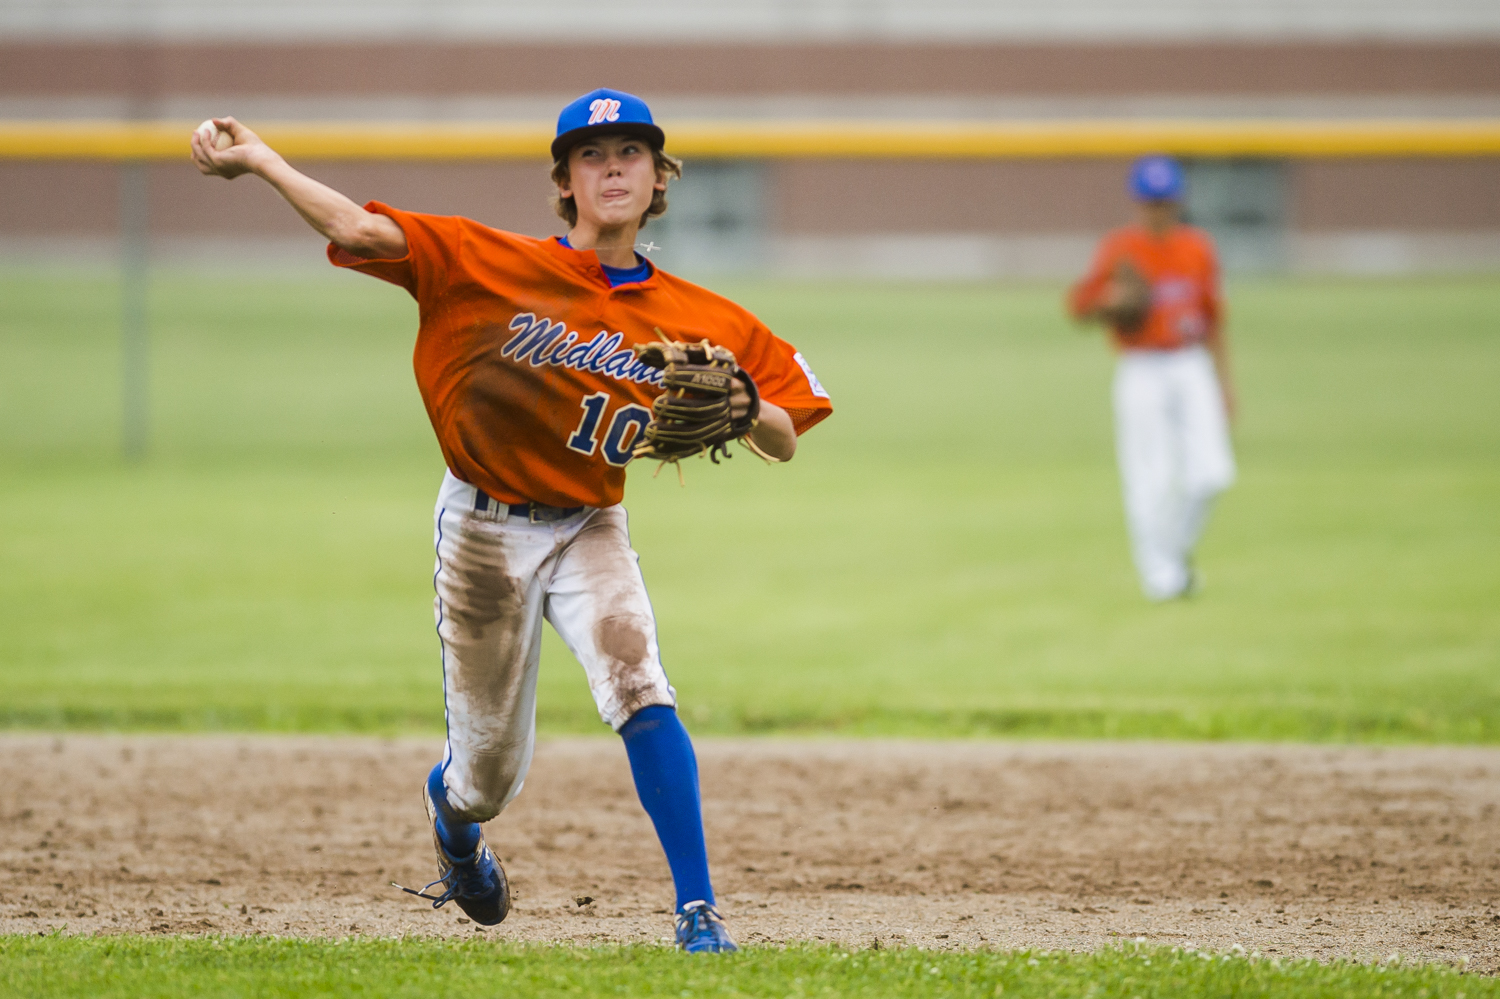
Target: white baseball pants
<point>1172,442</point>
<point>497,577</point>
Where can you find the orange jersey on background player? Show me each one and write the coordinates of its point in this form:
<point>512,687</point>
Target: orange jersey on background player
<point>1183,272</point>
<point>524,358</point>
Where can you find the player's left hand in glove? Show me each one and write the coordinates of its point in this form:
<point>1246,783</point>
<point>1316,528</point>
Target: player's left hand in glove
<point>695,413</point>
<point>1127,299</point>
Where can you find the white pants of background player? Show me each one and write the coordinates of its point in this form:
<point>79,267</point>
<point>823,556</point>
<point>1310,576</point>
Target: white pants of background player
<point>497,577</point>
<point>1172,441</point>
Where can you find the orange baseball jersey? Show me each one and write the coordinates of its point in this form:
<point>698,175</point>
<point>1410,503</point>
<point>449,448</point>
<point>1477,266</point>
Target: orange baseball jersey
<point>1183,272</point>
<point>524,363</point>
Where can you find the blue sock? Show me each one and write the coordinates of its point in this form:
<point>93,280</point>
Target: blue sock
<point>459,838</point>
<point>666,778</point>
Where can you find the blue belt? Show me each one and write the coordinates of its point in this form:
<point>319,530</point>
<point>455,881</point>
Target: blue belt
<point>536,513</point>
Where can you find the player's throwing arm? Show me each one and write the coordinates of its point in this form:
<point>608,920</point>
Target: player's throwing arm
<point>546,366</point>
<point>337,218</point>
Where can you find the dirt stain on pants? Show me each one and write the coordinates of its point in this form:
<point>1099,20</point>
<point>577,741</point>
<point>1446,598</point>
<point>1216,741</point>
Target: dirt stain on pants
<point>496,579</point>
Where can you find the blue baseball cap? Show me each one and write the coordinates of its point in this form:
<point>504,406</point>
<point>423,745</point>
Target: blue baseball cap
<point>605,112</point>
<point>1156,178</point>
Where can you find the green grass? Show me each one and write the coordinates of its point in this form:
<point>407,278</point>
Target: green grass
<point>139,968</point>
<point>945,557</point>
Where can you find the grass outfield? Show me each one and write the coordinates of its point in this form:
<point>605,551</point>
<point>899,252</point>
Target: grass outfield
<point>44,968</point>
<point>946,556</point>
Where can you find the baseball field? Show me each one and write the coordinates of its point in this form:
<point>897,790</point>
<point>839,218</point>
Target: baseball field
<point>947,748</point>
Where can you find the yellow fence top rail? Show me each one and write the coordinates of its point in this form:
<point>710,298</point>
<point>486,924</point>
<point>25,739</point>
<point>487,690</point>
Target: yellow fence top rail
<point>158,140</point>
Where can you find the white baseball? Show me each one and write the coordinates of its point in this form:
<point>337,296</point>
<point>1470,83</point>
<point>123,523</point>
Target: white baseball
<point>211,134</point>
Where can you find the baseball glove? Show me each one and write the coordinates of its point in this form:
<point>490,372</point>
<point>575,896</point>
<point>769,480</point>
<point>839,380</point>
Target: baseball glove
<point>692,414</point>
<point>1127,300</point>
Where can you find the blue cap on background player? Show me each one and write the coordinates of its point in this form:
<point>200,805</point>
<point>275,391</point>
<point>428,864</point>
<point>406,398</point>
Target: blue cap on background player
<point>605,112</point>
<point>1156,178</point>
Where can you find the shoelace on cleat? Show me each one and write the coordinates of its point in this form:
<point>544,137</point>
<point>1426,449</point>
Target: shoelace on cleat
<point>456,877</point>
<point>438,901</point>
<point>695,919</point>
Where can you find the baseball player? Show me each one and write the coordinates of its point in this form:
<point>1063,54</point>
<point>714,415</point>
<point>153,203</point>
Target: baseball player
<point>525,364</point>
<point>1156,286</point>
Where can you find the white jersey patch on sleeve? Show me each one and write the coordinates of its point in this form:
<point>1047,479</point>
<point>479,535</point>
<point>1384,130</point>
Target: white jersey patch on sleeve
<point>812,379</point>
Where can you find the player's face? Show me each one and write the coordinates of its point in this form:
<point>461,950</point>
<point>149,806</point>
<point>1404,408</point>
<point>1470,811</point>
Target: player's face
<point>1159,216</point>
<point>611,179</point>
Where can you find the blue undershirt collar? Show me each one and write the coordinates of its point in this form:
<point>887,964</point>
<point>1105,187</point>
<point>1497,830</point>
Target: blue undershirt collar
<point>620,275</point>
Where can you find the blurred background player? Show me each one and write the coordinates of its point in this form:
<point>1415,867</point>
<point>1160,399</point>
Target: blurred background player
<point>524,362</point>
<point>1155,285</point>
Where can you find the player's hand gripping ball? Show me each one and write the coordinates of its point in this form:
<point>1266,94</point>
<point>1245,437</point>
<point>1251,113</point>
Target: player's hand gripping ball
<point>693,414</point>
<point>1127,299</point>
<point>225,148</point>
<point>214,136</point>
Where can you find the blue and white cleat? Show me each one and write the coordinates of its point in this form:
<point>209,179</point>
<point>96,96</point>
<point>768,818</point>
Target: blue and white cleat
<point>476,882</point>
<point>701,930</point>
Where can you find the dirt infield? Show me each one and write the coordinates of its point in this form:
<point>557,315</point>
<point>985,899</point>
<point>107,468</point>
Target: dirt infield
<point>1293,851</point>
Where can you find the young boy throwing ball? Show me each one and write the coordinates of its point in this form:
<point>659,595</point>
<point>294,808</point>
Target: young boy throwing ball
<point>524,361</point>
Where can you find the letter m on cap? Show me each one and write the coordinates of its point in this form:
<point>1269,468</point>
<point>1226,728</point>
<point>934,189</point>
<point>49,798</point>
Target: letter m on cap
<point>604,109</point>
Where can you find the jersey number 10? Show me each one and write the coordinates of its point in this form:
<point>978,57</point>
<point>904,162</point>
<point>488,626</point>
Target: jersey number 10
<point>628,422</point>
